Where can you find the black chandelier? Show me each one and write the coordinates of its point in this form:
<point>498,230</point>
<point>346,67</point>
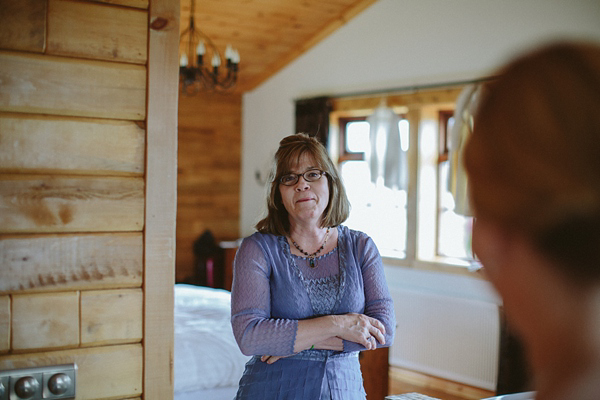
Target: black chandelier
<point>193,74</point>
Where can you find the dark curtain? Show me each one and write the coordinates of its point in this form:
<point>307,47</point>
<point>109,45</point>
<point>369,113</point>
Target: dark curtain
<point>312,117</point>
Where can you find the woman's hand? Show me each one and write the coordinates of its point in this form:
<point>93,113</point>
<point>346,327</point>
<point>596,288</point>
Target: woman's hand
<point>327,332</point>
<point>271,359</point>
<point>361,329</point>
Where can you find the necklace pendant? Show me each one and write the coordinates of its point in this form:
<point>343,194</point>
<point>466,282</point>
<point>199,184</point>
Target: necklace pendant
<point>312,263</point>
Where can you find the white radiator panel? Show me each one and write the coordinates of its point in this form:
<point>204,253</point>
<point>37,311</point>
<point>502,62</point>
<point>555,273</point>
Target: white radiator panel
<point>449,337</point>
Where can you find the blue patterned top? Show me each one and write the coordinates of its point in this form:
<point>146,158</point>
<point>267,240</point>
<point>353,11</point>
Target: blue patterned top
<point>273,289</point>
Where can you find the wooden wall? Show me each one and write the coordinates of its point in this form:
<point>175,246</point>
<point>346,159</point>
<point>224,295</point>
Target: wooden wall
<point>208,189</point>
<point>75,187</point>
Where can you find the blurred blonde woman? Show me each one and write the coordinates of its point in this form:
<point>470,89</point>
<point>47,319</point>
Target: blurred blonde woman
<point>533,162</point>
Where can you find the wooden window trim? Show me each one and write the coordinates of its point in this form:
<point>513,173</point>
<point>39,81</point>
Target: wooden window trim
<point>344,154</point>
<point>444,117</point>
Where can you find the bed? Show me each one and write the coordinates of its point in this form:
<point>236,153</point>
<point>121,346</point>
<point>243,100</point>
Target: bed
<point>208,362</point>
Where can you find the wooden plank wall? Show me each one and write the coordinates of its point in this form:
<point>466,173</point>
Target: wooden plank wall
<point>73,99</point>
<point>209,159</point>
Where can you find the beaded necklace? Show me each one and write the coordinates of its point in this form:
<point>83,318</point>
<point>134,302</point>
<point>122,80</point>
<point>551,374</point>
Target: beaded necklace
<point>312,262</point>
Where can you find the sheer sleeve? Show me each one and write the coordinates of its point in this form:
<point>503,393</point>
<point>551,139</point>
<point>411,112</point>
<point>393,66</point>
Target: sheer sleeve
<point>255,331</point>
<point>378,301</point>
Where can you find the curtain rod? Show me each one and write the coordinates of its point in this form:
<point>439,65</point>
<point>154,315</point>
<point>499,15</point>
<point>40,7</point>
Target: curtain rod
<point>412,88</point>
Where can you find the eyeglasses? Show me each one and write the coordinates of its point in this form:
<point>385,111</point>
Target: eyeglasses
<point>309,176</point>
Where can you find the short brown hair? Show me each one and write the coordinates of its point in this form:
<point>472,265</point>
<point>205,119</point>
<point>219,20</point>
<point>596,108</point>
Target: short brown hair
<point>291,149</point>
<point>534,156</point>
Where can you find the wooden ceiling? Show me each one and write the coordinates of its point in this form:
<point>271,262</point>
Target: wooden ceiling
<point>268,34</point>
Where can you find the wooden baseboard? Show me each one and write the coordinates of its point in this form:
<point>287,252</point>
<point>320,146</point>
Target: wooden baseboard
<point>428,382</point>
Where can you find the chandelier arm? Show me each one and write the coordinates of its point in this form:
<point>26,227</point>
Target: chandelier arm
<point>194,74</point>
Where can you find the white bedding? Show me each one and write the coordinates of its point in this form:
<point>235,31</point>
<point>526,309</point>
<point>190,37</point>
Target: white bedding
<point>207,357</point>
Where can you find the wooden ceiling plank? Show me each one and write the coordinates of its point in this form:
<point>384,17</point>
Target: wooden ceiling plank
<point>269,34</point>
<point>332,26</point>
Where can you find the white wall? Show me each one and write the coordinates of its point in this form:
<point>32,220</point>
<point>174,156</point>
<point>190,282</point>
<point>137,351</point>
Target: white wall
<point>395,44</point>
<point>398,43</point>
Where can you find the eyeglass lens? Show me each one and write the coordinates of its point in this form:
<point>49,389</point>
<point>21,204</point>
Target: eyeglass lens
<point>310,176</point>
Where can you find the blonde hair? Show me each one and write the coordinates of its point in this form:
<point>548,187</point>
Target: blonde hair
<point>533,159</point>
<point>291,149</point>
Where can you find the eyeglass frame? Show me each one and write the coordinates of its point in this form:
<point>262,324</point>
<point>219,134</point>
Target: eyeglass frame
<point>297,177</point>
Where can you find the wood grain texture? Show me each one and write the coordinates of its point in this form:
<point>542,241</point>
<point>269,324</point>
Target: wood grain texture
<point>23,25</point>
<point>45,144</point>
<point>4,324</point>
<point>45,321</point>
<point>413,115</point>
<point>97,31</point>
<point>128,3</point>
<point>269,34</point>
<point>108,372</point>
<point>208,172</point>
<point>70,262</point>
<point>407,381</point>
<point>374,366</point>
<point>33,203</point>
<point>111,316</point>
<point>62,86</point>
<point>161,200</point>
<point>314,34</point>
<point>409,99</point>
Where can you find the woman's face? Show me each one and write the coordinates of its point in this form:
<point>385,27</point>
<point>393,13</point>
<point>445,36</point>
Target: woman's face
<point>305,201</point>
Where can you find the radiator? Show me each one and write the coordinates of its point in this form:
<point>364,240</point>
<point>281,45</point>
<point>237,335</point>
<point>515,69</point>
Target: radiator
<point>448,337</point>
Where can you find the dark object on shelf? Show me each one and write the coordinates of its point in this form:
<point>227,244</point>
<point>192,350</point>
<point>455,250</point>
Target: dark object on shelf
<point>209,261</point>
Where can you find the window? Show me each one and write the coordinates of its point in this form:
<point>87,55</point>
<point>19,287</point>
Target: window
<point>415,224</point>
<point>376,209</point>
<point>454,230</point>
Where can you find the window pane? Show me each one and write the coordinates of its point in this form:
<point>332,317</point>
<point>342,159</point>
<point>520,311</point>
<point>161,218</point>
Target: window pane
<point>376,210</point>
<point>404,133</point>
<point>357,137</point>
<point>454,231</point>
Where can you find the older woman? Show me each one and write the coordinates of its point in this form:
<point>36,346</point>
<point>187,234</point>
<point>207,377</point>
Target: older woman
<point>533,162</point>
<point>308,293</point>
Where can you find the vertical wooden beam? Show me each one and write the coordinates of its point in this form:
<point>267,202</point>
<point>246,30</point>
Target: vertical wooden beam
<point>413,115</point>
<point>161,198</point>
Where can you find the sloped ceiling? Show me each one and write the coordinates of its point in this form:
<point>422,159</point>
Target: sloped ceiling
<point>268,34</point>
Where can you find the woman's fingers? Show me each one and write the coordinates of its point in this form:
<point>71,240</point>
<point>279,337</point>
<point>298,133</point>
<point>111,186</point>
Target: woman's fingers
<point>361,329</point>
<point>270,359</point>
<point>372,329</point>
<point>371,345</point>
<point>378,336</point>
<point>377,324</point>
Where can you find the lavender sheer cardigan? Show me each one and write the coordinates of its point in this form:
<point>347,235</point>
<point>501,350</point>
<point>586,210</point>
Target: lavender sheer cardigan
<point>270,294</point>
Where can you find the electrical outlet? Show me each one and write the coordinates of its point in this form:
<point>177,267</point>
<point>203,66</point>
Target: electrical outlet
<point>59,384</point>
<point>25,384</point>
<point>4,388</point>
<point>39,383</point>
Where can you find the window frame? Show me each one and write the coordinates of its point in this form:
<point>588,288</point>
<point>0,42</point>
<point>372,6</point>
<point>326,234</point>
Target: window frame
<point>444,117</point>
<point>344,154</point>
<point>416,106</point>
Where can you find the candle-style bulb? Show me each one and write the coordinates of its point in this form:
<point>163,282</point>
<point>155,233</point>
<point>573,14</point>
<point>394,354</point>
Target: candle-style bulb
<point>200,49</point>
<point>183,60</point>
<point>216,60</point>
<point>236,57</point>
<point>228,52</point>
